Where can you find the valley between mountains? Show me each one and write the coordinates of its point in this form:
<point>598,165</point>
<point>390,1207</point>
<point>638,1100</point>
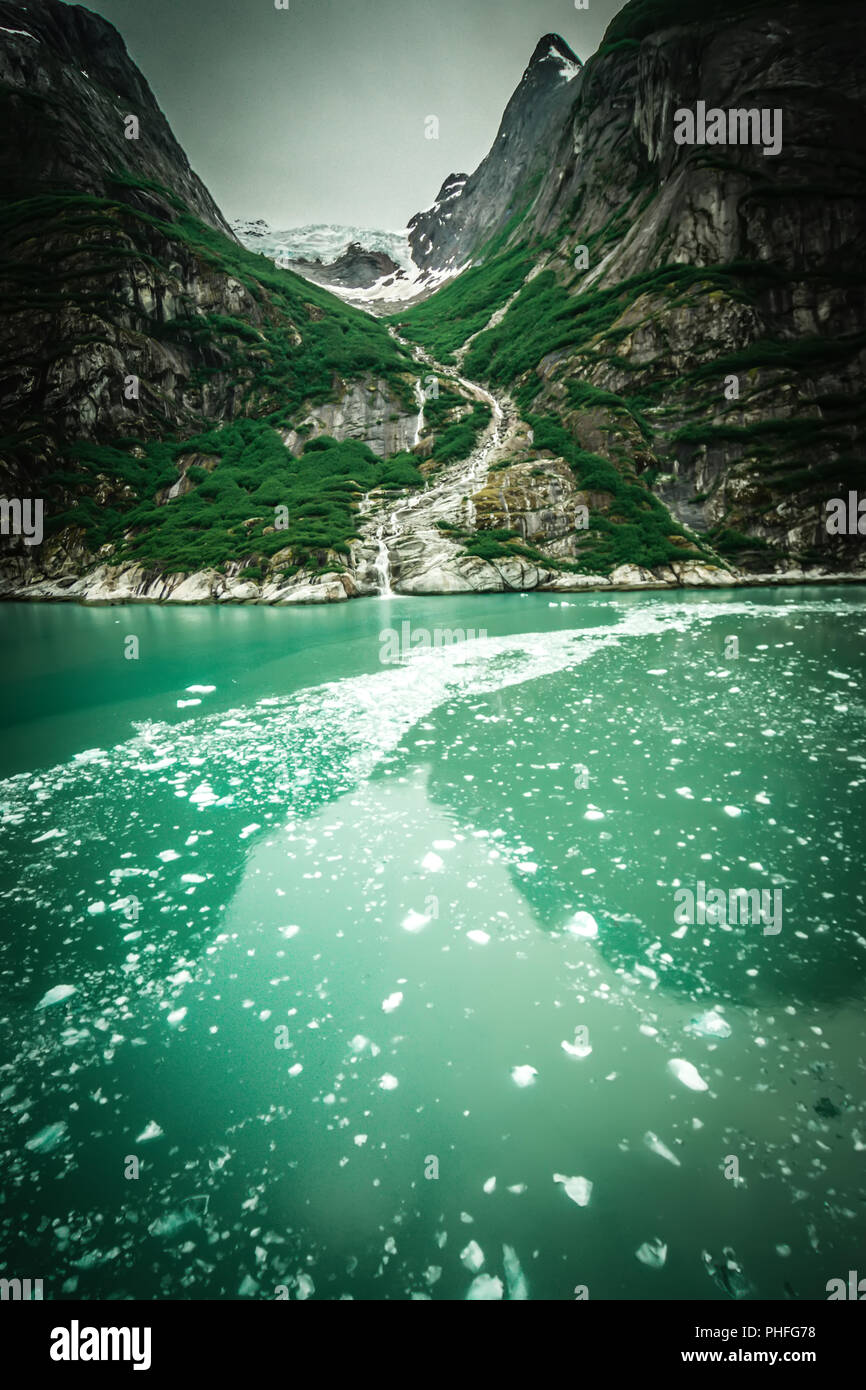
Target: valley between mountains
<point>606,361</point>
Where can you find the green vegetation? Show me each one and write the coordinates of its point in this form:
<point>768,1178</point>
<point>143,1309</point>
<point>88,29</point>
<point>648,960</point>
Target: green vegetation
<point>231,512</point>
<point>459,439</point>
<point>637,529</point>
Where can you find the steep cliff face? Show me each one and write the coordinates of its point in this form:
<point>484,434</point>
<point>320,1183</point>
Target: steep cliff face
<point>67,88</point>
<point>695,314</point>
<point>469,210</point>
<point>150,365</point>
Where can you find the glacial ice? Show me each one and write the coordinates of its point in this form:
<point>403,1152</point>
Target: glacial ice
<point>55,995</point>
<point>652,1253</point>
<point>485,1287</point>
<point>578,1189</point>
<point>687,1074</point>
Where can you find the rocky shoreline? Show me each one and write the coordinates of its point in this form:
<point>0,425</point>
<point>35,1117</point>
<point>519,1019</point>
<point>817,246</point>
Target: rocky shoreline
<point>108,585</point>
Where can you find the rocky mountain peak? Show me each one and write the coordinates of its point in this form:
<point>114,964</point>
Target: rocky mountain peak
<point>552,48</point>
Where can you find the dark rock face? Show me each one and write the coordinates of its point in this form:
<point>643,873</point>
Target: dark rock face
<point>793,222</point>
<point>469,210</point>
<point>357,268</point>
<point>705,262</point>
<point>67,84</point>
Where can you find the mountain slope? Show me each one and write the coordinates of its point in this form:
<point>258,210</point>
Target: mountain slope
<point>152,368</point>
<point>469,209</point>
<point>701,264</point>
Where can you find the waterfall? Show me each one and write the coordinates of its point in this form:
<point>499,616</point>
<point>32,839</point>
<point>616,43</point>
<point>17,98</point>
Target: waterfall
<point>419,396</point>
<point>383,565</point>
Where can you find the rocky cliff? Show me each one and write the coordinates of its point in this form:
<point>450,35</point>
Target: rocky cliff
<point>469,209</point>
<point>693,315</point>
<point>649,374</point>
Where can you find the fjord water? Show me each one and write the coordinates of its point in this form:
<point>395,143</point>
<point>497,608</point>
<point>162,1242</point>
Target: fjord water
<point>376,867</point>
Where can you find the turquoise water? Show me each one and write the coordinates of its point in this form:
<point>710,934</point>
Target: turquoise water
<point>373,971</point>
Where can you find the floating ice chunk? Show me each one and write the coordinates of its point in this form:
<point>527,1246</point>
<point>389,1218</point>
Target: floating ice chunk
<point>527,867</point>
<point>204,795</point>
<point>182,704</point>
<point>485,1287</point>
<point>249,1287</point>
<point>392,1002</point>
<point>176,1016</point>
<point>200,689</point>
<point>249,830</point>
<point>490,1185</point>
<point>656,1146</point>
<point>193,878</point>
<point>289,932</point>
<point>582,924</point>
<point>687,1074</point>
<point>431,862</point>
<point>593,814</point>
<point>56,995</point>
<point>193,1210</point>
<point>577,1049</point>
<point>481,937</point>
<point>358,1043</point>
<point>686,792</point>
<point>524,1076</point>
<point>652,1253</point>
<point>387,1082</point>
<point>473,1256</point>
<point>96,908</point>
<point>360,1139</point>
<point>444,844</point>
<point>726,1273</point>
<point>47,1138</point>
<point>166,855</point>
<point>709,1025</point>
<point>151,1131</point>
<point>518,1188</point>
<point>515,1279</point>
<point>306,1287</point>
<point>296,1069</point>
<point>578,1189</point>
<point>732,811</point>
<point>414,921</point>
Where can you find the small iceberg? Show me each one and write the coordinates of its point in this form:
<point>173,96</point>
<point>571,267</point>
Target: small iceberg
<point>486,1287</point>
<point>523,1076</point>
<point>56,995</point>
<point>652,1253</point>
<point>709,1025</point>
<point>655,1145</point>
<point>582,924</point>
<point>578,1189</point>
<point>687,1074</point>
<point>47,1138</point>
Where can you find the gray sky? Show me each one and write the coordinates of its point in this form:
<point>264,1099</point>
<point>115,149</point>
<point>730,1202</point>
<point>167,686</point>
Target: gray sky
<point>316,113</point>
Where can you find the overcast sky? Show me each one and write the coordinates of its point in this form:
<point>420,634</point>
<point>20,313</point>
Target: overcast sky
<point>316,113</point>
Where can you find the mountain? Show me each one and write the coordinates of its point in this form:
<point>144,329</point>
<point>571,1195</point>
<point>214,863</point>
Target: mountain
<point>643,363</point>
<point>683,323</point>
<point>153,369</point>
<point>469,208</point>
<point>357,268</point>
<point>67,86</point>
<point>320,241</point>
